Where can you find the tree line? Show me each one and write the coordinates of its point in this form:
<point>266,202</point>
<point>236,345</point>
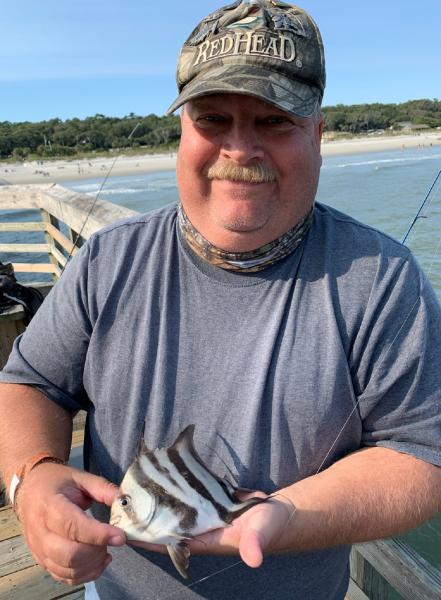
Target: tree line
<point>360,118</point>
<point>55,138</point>
<point>73,137</point>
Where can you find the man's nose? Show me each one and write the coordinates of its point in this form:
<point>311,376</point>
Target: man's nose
<point>241,144</point>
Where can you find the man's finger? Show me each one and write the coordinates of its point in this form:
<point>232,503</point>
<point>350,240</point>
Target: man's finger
<point>71,522</point>
<point>98,488</point>
<point>150,547</point>
<point>250,548</point>
<point>71,577</point>
<point>72,555</point>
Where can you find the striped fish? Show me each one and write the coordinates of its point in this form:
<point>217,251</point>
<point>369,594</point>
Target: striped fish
<point>168,496</point>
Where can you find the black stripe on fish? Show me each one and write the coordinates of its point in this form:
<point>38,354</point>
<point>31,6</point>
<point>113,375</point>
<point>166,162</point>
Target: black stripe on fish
<point>151,457</point>
<point>197,485</point>
<point>227,487</point>
<point>189,513</point>
<point>185,441</point>
<point>184,444</point>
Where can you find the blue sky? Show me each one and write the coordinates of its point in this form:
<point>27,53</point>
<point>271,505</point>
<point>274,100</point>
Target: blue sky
<point>76,58</point>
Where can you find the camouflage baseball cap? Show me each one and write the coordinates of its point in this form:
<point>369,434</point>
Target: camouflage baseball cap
<point>262,48</point>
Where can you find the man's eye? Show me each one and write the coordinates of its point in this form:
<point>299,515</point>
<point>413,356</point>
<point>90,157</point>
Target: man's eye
<point>209,119</point>
<point>277,121</point>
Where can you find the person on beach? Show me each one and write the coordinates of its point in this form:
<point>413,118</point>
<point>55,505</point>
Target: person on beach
<point>304,345</point>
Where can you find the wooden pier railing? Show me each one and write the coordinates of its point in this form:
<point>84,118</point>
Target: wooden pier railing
<point>64,217</point>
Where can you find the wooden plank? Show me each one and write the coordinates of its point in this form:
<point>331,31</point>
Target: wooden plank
<point>31,584</point>
<point>81,213</point>
<point>354,592</point>
<point>61,239</point>
<point>77,438</point>
<point>22,226</point>
<point>60,258</point>
<point>367,578</point>
<point>14,556</point>
<point>9,525</point>
<point>406,571</point>
<point>34,268</point>
<point>19,197</point>
<point>80,420</point>
<point>76,595</point>
<point>51,220</point>
<point>78,429</point>
<point>17,248</point>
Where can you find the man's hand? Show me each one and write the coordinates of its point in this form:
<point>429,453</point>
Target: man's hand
<point>257,532</point>
<point>65,541</point>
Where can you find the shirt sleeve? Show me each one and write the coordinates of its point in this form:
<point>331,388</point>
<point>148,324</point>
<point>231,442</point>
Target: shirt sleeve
<point>399,366</point>
<point>51,353</point>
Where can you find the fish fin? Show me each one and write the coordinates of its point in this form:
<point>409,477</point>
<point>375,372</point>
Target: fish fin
<point>242,490</point>
<point>241,507</point>
<point>185,438</point>
<point>231,488</point>
<point>180,555</point>
<point>184,442</point>
<point>142,448</point>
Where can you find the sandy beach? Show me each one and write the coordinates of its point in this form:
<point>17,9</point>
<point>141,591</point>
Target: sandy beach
<point>68,170</point>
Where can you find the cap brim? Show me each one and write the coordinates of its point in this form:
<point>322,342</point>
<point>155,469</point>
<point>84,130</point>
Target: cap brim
<point>293,96</point>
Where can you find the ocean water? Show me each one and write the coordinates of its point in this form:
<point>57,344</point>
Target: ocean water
<point>384,190</point>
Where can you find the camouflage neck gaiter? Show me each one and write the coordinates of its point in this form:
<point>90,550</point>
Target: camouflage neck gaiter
<point>245,262</point>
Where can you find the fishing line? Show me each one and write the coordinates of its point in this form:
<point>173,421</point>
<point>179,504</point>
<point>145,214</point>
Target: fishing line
<point>187,587</point>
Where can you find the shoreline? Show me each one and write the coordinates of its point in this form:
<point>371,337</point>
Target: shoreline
<point>70,170</point>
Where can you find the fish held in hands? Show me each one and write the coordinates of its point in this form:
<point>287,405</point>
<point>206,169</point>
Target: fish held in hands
<point>168,496</point>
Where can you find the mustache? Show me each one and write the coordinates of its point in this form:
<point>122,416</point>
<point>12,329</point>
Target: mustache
<point>255,173</point>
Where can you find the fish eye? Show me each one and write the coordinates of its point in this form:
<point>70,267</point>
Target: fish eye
<point>124,501</point>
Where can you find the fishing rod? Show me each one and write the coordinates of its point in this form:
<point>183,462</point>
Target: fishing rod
<point>93,204</point>
<point>418,214</point>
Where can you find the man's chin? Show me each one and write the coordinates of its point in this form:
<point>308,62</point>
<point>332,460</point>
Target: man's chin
<point>239,224</point>
<point>243,216</point>
<point>242,228</point>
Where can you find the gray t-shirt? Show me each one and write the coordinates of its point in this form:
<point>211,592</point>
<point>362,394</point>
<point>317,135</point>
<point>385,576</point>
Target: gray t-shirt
<point>283,372</point>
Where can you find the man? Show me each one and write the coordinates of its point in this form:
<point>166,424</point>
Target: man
<point>296,339</point>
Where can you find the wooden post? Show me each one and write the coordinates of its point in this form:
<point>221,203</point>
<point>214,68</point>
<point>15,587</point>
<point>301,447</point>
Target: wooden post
<point>49,219</point>
<point>367,579</point>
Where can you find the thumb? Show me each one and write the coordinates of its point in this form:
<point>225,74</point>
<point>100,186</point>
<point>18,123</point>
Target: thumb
<point>98,488</point>
<point>250,548</point>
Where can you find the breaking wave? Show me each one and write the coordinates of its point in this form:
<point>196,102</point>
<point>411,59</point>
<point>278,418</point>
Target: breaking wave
<point>379,161</point>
